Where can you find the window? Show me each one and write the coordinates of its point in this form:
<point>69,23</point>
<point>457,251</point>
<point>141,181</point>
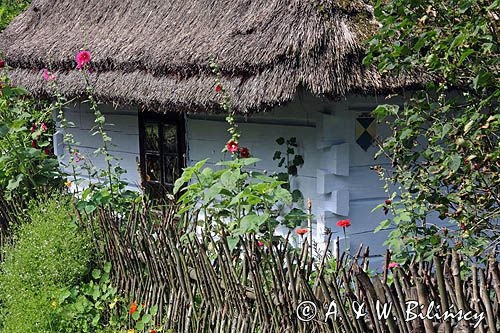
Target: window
<point>163,152</point>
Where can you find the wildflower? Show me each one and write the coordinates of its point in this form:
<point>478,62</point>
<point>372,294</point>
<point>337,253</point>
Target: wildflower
<point>244,152</point>
<point>232,146</point>
<point>48,76</point>
<point>43,127</point>
<point>133,308</point>
<point>2,64</point>
<point>34,143</point>
<point>33,129</point>
<point>302,231</point>
<point>82,58</point>
<point>388,202</point>
<point>152,330</point>
<point>46,151</point>
<point>218,88</point>
<point>344,223</point>
<point>259,243</point>
<point>392,265</point>
<point>68,183</point>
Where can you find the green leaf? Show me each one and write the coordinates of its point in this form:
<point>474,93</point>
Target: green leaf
<point>252,222</point>
<point>382,226</point>
<point>4,129</point>
<point>154,310</point>
<point>96,274</point>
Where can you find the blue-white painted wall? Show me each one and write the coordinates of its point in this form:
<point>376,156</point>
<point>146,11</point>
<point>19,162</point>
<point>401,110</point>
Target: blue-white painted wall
<point>336,174</point>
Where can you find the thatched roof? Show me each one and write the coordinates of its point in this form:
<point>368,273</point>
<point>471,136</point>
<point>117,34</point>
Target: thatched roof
<point>155,53</point>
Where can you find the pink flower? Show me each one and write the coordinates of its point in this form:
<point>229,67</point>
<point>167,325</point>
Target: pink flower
<point>43,127</point>
<point>82,58</point>
<point>48,76</point>
<point>392,265</point>
<point>344,223</point>
<point>259,243</point>
<point>232,146</point>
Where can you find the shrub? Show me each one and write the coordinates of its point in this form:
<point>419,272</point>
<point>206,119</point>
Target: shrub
<point>50,253</point>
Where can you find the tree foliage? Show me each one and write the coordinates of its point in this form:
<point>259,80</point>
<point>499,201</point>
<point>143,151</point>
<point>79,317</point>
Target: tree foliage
<point>10,9</point>
<point>445,142</point>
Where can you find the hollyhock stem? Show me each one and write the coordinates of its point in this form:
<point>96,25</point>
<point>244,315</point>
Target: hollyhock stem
<point>345,240</point>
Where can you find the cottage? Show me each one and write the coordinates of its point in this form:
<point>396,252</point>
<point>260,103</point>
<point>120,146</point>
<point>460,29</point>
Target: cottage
<point>293,69</point>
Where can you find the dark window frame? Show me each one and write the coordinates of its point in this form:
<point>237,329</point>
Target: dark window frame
<point>162,119</point>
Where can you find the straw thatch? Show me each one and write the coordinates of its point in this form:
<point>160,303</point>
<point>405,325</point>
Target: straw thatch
<point>155,53</point>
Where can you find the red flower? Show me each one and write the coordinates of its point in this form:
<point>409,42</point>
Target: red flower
<point>33,129</point>
<point>46,151</point>
<point>152,331</point>
<point>302,231</point>
<point>43,127</point>
<point>388,202</point>
<point>232,146</point>
<point>82,58</point>
<point>133,308</point>
<point>244,152</point>
<point>2,64</point>
<point>344,223</point>
<point>33,143</point>
<point>218,88</point>
<point>259,243</point>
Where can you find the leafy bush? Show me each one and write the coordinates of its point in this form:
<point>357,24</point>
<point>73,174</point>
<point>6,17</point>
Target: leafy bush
<point>27,164</point>
<point>445,145</point>
<point>50,253</point>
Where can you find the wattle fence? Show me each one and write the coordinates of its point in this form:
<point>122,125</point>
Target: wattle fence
<point>200,285</point>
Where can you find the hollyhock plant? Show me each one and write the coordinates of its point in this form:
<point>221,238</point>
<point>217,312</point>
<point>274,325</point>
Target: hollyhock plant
<point>232,146</point>
<point>82,58</point>
<point>244,152</point>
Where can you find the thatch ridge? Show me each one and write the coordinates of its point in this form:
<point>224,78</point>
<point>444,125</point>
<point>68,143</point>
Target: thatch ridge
<point>155,53</point>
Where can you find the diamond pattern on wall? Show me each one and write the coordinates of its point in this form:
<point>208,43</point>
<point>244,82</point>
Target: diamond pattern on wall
<point>365,131</point>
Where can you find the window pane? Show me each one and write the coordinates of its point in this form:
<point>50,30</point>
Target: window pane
<point>171,169</point>
<point>153,168</point>
<point>170,138</point>
<point>152,138</point>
